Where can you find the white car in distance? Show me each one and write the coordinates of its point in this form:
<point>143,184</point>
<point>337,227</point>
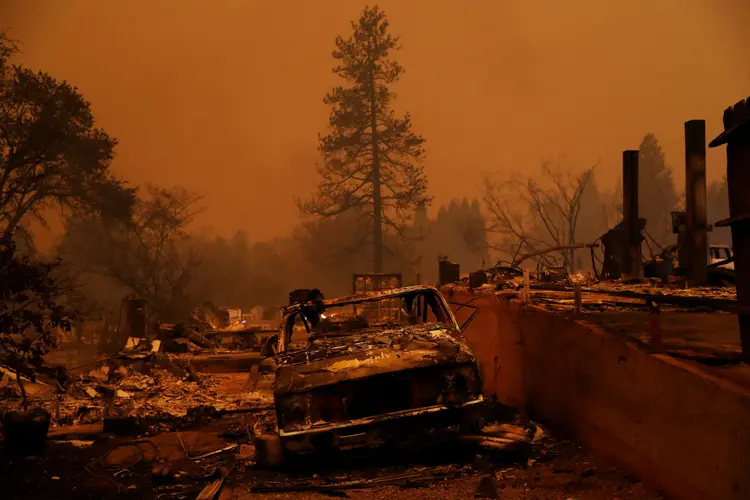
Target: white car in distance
<point>718,253</point>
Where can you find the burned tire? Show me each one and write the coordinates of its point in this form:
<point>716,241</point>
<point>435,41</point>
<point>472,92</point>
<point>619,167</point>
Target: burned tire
<point>268,451</point>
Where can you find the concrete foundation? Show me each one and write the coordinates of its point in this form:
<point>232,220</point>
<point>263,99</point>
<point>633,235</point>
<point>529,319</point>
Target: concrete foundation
<point>682,431</point>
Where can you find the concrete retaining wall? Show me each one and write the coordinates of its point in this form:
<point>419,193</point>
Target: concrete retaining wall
<point>682,431</point>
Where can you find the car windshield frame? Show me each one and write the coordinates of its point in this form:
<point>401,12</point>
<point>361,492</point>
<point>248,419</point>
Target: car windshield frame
<point>308,311</point>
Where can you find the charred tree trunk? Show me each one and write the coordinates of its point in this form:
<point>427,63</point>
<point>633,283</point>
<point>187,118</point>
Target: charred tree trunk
<point>632,265</point>
<point>377,209</point>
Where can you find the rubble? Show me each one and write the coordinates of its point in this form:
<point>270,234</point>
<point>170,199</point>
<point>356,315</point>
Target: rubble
<point>327,485</point>
<point>148,384</point>
<point>137,382</point>
<point>148,379</point>
<point>127,391</point>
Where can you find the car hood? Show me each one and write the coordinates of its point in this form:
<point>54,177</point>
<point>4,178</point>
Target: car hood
<point>371,352</point>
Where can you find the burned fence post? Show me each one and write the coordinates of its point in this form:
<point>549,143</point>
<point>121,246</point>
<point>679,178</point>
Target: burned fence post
<point>736,136</point>
<point>632,267</point>
<point>695,202</point>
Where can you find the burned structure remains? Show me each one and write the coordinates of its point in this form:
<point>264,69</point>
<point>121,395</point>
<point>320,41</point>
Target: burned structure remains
<point>353,375</point>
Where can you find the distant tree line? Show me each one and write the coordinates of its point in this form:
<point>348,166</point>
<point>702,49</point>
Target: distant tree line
<point>563,206</point>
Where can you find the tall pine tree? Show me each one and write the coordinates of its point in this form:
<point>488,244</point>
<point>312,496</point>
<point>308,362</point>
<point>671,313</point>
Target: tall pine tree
<point>372,159</point>
<point>657,196</point>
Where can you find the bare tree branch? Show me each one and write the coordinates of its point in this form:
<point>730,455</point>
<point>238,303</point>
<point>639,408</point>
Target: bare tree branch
<point>529,216</point>
<point>150,254</point>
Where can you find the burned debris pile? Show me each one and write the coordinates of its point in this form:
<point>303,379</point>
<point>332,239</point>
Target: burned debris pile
<point>153,379</point>
<point>367,391</point>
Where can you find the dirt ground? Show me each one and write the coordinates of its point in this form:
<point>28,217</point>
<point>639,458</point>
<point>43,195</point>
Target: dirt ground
<point>165,464</point>
<point>561,471</point>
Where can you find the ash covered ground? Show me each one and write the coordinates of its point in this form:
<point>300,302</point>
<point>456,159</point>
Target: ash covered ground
<point>191,449</point>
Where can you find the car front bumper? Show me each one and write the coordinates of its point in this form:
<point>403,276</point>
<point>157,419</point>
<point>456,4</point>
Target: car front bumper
<point>375,431</point>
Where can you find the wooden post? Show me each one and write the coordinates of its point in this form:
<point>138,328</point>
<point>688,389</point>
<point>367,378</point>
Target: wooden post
<point>736,136</point>
<point>695,202</point>
<point>632,266</point>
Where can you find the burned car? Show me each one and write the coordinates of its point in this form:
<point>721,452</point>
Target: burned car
<point>366,370</point>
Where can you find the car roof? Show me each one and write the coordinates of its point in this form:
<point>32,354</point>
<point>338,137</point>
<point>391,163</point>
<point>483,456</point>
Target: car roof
<point>366,297</point>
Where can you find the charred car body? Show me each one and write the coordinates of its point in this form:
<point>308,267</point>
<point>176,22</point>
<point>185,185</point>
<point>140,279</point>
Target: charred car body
<point>361,371</point>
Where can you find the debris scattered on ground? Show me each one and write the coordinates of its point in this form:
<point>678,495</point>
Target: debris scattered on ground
<point>155,381</point>
<point>165,390</point>
<point>344,482</point>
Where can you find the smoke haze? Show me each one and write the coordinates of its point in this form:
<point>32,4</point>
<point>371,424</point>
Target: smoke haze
<point>225,96</point>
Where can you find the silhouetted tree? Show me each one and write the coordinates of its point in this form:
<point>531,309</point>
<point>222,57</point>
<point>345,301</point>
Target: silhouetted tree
<point>371,157</point>
<point>51,153</point>
<point>332,249</point>
<point>224,274</point>
<point>531,216</point>
<point>657,196</point>
<point>149,253</point>
<point>31,308</point>
<point>326,253</point>
<point>458,232</point>
<point>593,219</point>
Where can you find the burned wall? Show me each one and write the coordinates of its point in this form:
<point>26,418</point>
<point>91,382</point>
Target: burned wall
<point>677,428</point>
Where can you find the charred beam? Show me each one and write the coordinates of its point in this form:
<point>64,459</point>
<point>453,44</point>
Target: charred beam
<point>632,263</point>
<point>695,198</point>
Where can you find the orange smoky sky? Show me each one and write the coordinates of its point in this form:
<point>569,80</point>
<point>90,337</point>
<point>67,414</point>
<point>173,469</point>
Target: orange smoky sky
<point>225,96</point>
